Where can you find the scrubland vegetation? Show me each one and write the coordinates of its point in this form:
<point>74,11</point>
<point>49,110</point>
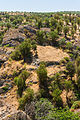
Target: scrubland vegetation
<point>58,95</point>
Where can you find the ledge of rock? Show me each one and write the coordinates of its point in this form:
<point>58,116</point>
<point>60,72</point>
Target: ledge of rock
<point>18,115</point>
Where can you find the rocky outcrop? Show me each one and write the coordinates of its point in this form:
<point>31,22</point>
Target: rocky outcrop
<point>3,57</point>
<point>27,27</point>
<point>4,54</point>
<point>18,115</point>
<point>13,37</point>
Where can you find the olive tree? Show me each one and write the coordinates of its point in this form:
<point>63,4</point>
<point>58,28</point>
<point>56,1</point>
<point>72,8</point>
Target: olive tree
<point>66,30</point>
<point>25,49</point>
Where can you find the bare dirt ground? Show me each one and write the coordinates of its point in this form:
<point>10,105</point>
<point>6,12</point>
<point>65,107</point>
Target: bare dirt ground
<point>54,69</point>
<point>9,103</point>
<point>49,53</point>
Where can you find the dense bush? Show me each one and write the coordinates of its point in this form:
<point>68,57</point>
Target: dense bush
<point>40,37</point>
<point>21,85</point>
<point>63,115</point>
<point>56,97</point>
<point>42,75</point>
<point>24,74</point>
<point>62,42</point>
<point>20,81</point>
<point>77,61</point>
<point>43,81</point>
<point>44,111</point>
<point>54,36</point>
<point>25,49</point>
<point>69,46</point>
<point>16,55</point>
<point>39,24</point>
<point>66,30</point>
<point>66,58</point>
<point>59,29</point>
<point>70,67</point>
<point>75,105</point>
<point>26,98</point>
<point>8,25</point>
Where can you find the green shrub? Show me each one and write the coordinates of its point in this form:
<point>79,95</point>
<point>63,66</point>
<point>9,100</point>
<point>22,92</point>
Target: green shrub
<point>27,98</point>
<point>69,46</point>
<point>20,81</point>
<point>62,42</point>
<point>15,73</point>
<point>43,108</point>
<point>21,85</point>
<point>54,36</point>
<point>16,55</point>
<point>8,25</point>
<point>42,75</point>
<point>66,58</point>
<point>15,80</point>
<point>70,67</point>
<point>78,71</point>
<point>24,74</point>
<point>66,30</point>
<point>71,55</point>
<point>1,39</point>
<point>77,61</point>
<point>63,61</point>
<point>56,97</point>
<point>68,85</point>
<point>59,29</point>
<point>25,49</point>
<point>5,88</point>
<point>43,81</point>
<point>76,105</point>
<point>39,24</point>
<point>34,47</point>
<point>62,115</point>
<point>40,37</point>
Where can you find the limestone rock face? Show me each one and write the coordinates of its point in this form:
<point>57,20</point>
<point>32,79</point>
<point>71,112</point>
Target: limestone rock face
<point>18,115</point>
<point>4,54</point>
<point>13,37</point>
<point>27,27</point>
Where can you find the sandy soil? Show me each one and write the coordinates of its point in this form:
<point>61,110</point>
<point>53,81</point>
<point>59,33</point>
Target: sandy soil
<point>49,53</point>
